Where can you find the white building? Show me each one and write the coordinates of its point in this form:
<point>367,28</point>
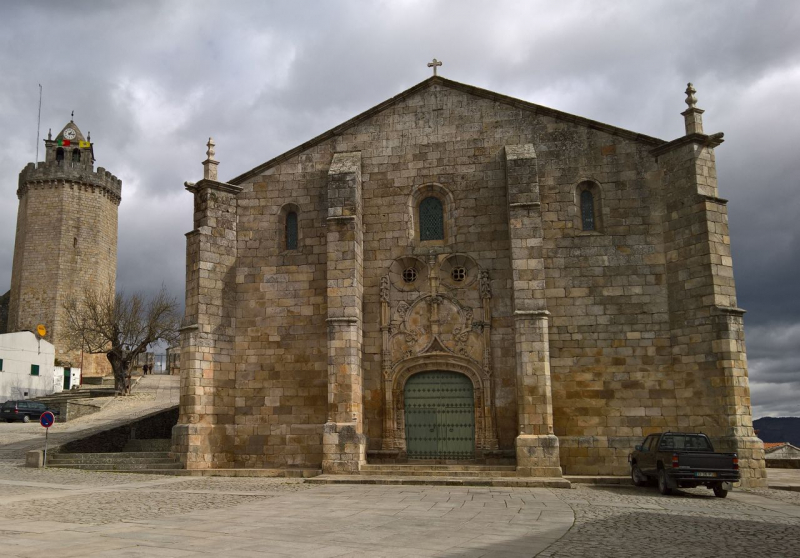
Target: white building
<point>781,450</point>
<point>27,368</point>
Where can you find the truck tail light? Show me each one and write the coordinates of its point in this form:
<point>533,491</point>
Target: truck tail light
<point>674,459</point>
<point>735,462</point>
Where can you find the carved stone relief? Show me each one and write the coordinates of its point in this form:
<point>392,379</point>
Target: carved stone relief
<point>436,315</point>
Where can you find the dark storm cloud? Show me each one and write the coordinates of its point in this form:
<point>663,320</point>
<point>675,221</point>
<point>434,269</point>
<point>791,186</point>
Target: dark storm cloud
<point>153,80</point>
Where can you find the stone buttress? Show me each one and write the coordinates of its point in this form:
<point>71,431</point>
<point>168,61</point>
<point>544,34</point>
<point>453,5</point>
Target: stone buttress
<point>536,445</point>
<point>203,437</point>
<point>707,331</point>
<point>343,439</point>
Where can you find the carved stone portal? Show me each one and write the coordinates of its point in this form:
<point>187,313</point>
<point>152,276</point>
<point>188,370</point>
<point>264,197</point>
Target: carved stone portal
<point>436,315</point>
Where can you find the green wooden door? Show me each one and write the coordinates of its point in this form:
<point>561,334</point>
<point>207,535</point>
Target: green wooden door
<point>67,377</point>
<point>440,416</point>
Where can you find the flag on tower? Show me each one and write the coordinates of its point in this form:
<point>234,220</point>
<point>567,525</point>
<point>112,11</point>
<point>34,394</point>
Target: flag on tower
<point>84,144</point>
<point>64,142</point>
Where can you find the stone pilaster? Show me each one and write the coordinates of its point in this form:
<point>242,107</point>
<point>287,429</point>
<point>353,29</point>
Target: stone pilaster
<point>344,442</point>
<point>706,326</point>
<point>206,422</point>
<point>536,445</point>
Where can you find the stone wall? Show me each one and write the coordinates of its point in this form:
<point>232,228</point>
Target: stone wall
<point>156,426</point>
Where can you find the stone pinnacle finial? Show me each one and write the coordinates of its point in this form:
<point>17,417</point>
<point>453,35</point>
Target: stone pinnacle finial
<point>691,100</point>
<point>692,116</point>
<point>49,134</point>
<point>210,165</point>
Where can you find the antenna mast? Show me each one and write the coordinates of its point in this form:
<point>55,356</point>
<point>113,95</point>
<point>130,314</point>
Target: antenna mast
<point>38,124</point>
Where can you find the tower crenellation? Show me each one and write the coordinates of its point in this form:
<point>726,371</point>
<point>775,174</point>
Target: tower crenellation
<point>53,174</point>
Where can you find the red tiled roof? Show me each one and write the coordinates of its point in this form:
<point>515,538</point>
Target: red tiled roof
<point>770,445</point>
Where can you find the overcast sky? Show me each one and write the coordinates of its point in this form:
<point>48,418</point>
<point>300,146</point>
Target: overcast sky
<point>153,80</point>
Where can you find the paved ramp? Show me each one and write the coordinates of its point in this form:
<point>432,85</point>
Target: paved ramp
<point>151,394</point>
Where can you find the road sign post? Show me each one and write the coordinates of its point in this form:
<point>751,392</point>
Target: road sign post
<point>46,419</point>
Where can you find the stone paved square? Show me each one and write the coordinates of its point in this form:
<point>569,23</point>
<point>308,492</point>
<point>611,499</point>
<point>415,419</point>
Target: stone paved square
<point>69,513</point>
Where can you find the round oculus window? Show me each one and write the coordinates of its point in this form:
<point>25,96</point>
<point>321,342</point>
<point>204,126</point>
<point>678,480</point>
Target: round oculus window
<point>409,275</point>
<point>458,274</point>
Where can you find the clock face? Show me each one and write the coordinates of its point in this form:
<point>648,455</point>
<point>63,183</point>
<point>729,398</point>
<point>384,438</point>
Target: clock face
<point>69,134</point>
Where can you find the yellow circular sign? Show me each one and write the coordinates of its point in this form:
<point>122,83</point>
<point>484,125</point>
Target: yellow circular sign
<point>40,329</point>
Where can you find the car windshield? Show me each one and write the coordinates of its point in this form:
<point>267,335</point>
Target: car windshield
<point>685,442</point>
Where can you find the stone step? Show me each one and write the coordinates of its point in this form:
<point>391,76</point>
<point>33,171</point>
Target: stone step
<point>98,461</point>
<point>271,473</point>
<point>436,473</point>
<point>117,466</point>
<point>519,482</point>
<point>427,468</point>
<point>599,479</point>
<point>148,445</point>
<point>122,456</point>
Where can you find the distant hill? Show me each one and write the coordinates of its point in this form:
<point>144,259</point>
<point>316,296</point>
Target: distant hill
<point>782,429</point>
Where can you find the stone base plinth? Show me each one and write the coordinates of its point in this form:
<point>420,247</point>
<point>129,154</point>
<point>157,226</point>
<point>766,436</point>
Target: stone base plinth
<point>752,465</point>
<point>537,456</point>
<point>344,449</point>
<point>197,446</point>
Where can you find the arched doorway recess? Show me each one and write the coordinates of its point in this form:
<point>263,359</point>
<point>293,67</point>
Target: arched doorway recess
<point>439,416</point>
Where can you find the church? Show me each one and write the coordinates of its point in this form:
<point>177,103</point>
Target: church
<point>458,276</point>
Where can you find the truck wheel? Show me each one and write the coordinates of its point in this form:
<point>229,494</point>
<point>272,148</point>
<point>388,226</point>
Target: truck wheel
<point>26,418</point>
<point>663,485</point>
<point>638,478</point>
<point>720,492</point>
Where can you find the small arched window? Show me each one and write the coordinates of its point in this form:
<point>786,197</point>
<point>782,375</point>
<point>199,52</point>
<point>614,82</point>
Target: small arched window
<point>587,211</point>
<point>60,154</point>
<point>291,231</point>
<point>431,219</point>
<point>76,155</point>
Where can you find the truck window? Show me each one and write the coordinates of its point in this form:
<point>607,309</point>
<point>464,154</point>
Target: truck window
<point>685,442</point>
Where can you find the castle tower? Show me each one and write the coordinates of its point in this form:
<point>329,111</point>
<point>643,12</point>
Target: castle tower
<point>66,240</point>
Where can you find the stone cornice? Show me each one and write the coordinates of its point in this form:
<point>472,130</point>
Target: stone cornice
<point>730,310</point>
<point>707,141</point>
<point>523,314</point>
<point>205,183</point>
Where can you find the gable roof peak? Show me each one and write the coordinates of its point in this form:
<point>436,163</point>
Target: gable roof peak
<point>455,85</point>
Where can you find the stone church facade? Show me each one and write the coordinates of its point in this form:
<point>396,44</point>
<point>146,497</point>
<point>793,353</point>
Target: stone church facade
<point>459,275</point>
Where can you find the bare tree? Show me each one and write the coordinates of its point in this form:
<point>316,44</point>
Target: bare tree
<point>120,326</point>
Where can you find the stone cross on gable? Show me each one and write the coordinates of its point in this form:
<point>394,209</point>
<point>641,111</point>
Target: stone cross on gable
<point>434,65</point>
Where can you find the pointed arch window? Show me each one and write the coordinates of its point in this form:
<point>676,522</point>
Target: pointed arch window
<point>76,156</point>
<point>60,154</point>
<point>587,211</point>
<point>431,219</point>
<point>291,230</point>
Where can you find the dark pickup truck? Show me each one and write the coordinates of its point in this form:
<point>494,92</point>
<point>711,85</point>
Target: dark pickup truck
<point>682,459</point>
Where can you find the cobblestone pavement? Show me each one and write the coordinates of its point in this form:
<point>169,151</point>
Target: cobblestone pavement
<point>152,393</point>
<point>62,512</point>
<point>620,522</point>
